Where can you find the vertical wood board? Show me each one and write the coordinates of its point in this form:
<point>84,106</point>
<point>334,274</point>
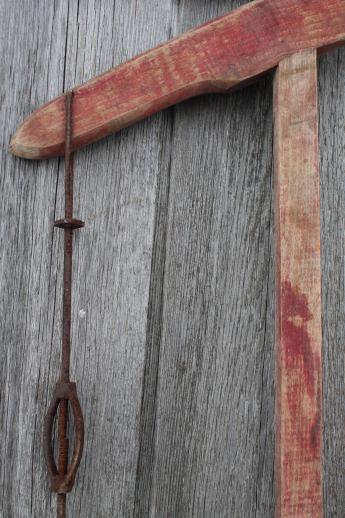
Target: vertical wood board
<point>298,289</point>
<point>213,444</point>
<point>115,193</point>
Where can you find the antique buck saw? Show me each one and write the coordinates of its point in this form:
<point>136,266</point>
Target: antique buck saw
<point>224,54</point>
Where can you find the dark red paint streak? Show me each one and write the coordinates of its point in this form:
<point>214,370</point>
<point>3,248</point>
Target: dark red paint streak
<point>296,338</point>
<point>301,368</point>
<point>298,356</point>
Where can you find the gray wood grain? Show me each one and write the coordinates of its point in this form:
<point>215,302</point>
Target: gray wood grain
<point>173,331</point>
<point>332,138</point>
<point>116,186</point>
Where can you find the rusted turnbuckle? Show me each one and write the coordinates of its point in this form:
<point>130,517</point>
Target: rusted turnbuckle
<point>63,474</point>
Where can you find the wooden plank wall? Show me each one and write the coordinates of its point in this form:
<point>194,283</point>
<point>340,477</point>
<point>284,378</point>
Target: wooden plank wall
<point>173,282</point>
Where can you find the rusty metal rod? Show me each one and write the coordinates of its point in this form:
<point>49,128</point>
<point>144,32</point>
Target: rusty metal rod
<point>68,247</point>
<point>67,307</point>
<point>62,475</point>
<point>61,505</point>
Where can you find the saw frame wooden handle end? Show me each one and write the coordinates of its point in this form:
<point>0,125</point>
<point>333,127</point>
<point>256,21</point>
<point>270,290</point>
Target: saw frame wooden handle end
<point>219,56</point>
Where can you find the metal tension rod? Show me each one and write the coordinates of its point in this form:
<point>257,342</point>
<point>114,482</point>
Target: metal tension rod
<point>62,475</point>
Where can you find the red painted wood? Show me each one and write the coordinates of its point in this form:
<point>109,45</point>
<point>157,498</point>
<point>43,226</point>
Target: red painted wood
<point>298,288</point>
<point>215,57</point>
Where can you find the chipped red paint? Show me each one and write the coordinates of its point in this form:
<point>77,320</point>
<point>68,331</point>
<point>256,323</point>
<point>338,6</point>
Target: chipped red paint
<point>218,56</point>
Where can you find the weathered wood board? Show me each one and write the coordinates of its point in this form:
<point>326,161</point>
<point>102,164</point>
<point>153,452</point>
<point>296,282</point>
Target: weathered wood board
<point>173,297</point>
<point>214,57</point>
<point>299,424</point>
